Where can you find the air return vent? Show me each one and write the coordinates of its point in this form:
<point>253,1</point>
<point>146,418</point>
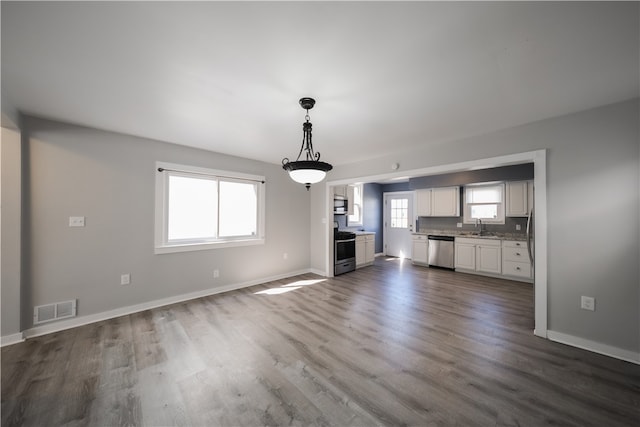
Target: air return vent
<point>55,311</point>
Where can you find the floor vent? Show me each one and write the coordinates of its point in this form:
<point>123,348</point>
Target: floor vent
<point>55,311</point>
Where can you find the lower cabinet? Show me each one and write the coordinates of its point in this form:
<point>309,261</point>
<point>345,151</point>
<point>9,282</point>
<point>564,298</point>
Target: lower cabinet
<point>488,259</point>
<point>515,261</point>
<point>365,249</point>
<point>420,252</point>
<point>465,255</point>
<point>492,257</point>
<point>481,255</point>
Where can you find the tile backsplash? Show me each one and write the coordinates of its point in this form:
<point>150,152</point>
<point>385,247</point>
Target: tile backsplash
<point>450,223</point>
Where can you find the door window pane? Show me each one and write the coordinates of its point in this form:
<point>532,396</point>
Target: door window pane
<point>399,213</point>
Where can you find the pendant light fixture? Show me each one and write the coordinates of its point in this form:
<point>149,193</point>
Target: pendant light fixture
<point>310,170</point>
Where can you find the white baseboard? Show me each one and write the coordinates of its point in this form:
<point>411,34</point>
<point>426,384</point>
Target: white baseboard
<point>123,311</point>
<point>318,272</point>
<point>12,339</point>
<point>596,347</point>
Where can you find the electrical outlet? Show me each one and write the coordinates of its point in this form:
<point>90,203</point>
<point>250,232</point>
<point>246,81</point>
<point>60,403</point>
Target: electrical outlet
<point>588,303</point>
<point>518,227</point>
<point>459,225</point>
<point>216,273</point>
<point>76,221</point>
<point>125,279</point>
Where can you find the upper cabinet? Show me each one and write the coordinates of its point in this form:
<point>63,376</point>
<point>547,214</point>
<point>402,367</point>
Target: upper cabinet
<point>340,191</point>
<point>346,192</point>
<point>519,198</point>
<point>423,202</point>
<point>443,201</point>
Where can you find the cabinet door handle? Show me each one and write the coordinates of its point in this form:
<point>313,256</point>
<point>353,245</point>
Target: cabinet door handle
<point>517,268</point>
<point>517,253</point>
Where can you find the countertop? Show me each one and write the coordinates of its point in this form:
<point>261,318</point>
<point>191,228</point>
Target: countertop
<point>364,233</point>
<point>493,236</point>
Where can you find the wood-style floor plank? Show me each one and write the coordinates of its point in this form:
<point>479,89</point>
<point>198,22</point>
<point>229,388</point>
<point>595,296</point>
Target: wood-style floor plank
<point>390,344</point>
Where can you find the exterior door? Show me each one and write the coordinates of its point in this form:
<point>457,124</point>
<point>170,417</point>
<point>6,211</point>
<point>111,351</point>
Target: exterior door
<point>398,223</point>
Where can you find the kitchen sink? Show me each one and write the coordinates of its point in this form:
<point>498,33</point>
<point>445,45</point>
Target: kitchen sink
<point>482,236</point>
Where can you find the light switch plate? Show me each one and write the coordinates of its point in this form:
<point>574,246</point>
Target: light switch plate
<point>76,221</point>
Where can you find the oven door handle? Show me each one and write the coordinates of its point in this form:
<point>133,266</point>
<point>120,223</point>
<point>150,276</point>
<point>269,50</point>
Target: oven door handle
<point>345,241</point>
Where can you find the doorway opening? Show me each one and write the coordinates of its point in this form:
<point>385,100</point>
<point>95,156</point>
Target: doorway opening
<point>538,158</point>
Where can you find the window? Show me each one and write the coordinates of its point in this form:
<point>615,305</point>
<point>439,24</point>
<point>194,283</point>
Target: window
<point>356,218</point>
<point>399,213</point>
<point>199,208</point>
<point>484,202</point>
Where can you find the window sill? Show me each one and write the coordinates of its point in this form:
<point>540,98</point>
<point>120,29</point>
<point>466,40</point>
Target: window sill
<point>182,247</point>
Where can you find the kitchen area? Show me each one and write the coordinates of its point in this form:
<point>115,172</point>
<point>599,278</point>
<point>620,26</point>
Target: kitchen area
<point>355,243</point>
<point>478,222</point>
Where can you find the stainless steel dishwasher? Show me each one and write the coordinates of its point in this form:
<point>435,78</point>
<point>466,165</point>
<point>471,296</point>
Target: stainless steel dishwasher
<point>441,253</point>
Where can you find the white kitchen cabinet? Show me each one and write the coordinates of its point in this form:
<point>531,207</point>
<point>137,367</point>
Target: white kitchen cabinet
<point>443,201</point>
<point>488,257</point>
<point>365,249</point>
<point>370,249</point>
<point>423,202</point>
<point>515,261</point>
<point>346,192</point>
<point>360,251</point>
<point>465,256</point>
<point>519,198</point>
<point>420,253</point>
<point>479,255</point>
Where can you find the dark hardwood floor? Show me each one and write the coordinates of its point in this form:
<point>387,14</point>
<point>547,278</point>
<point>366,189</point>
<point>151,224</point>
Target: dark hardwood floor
<point>390,344</point>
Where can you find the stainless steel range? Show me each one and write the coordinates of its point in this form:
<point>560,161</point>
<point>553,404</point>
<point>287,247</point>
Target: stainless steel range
<point>344,251</point>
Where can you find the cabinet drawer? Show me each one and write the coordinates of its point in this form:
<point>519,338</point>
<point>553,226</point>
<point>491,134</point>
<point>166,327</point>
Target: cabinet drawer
<point>515,254</point>
<point>514,244</point>
<point>419,237</point>
<point>513,268</point>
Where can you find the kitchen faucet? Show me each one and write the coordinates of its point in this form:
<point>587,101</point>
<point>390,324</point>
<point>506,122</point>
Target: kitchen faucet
<point>479,221</point>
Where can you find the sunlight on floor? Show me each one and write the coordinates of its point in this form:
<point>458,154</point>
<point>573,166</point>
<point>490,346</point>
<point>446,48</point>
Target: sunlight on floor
<point>400,261</point>
<point>289,287</point>
<point>277,291</point>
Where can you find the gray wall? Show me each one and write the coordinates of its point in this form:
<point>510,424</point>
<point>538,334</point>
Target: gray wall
<point>593,195</point>
<point>373,212</point>
<point>10,222</point>
<point>110,179</point>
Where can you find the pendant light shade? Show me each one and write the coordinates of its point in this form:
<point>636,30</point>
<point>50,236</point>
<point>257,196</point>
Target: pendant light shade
<point>310,170</point>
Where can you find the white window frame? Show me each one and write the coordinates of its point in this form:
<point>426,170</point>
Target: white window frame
<point>163,245</point>
<point>500,219</point>
<point>359,203</point>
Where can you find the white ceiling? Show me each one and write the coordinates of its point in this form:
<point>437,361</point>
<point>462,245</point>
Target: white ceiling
<point>386,76</point>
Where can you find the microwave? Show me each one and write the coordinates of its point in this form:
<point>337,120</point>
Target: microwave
<point>340,206</point>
